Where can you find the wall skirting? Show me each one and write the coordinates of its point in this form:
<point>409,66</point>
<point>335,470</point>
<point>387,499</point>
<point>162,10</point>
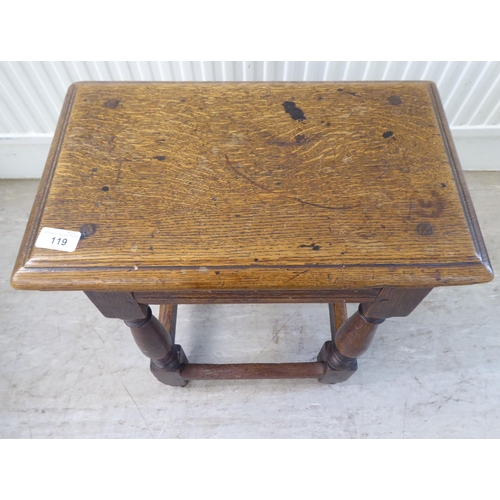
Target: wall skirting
<point>478,147</point>
<point>23,157</point>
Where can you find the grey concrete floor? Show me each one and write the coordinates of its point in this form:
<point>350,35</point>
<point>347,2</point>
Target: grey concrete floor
<point>67,372</point>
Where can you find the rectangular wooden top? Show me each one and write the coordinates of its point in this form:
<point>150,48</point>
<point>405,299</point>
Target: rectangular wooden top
<point>253,186</point>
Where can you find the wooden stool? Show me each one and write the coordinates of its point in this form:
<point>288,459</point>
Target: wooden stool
<point>191,193</point>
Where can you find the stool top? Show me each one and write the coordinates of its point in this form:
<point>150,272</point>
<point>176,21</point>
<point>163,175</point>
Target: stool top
<point>253,186</point>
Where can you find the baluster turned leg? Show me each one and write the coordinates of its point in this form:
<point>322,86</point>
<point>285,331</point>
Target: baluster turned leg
<point>155,342</point>
<point>351,340</point>
<point>338,316</point>
<point>167,316</point>
<point>354,336</point>
<point>150,335</point>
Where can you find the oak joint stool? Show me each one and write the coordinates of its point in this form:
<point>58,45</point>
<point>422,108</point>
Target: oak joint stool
<point>196,193</point>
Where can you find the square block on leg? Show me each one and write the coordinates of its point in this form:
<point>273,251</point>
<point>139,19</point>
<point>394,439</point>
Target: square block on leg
<point>167,377</point>
<point>338,367</point>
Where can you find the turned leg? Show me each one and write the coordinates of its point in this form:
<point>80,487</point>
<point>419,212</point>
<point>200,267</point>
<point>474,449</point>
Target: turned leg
<point>350,341</point>
<point>338,316</point>
<point>355,335</point>
<point>168,318</point>
<point>150,335</point>
<point>155,342</point>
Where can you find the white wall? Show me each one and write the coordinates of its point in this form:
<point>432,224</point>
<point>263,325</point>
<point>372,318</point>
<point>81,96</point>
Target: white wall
<point>31,96</point>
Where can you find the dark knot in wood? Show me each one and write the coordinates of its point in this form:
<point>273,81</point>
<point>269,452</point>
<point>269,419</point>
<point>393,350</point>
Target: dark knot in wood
<point>424,229</point>
<point>87,230</point>
<point>394,100</point>
<point>112,104</point>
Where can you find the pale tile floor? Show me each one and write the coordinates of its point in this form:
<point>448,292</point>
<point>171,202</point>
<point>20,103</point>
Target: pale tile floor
<point>67,372</point>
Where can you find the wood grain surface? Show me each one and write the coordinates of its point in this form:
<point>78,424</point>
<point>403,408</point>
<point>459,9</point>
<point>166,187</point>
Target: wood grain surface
<point>253,186</point>
<point>193,371</point>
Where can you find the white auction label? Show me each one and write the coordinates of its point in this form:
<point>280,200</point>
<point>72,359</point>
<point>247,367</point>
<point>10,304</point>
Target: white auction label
<point>58,239</point>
